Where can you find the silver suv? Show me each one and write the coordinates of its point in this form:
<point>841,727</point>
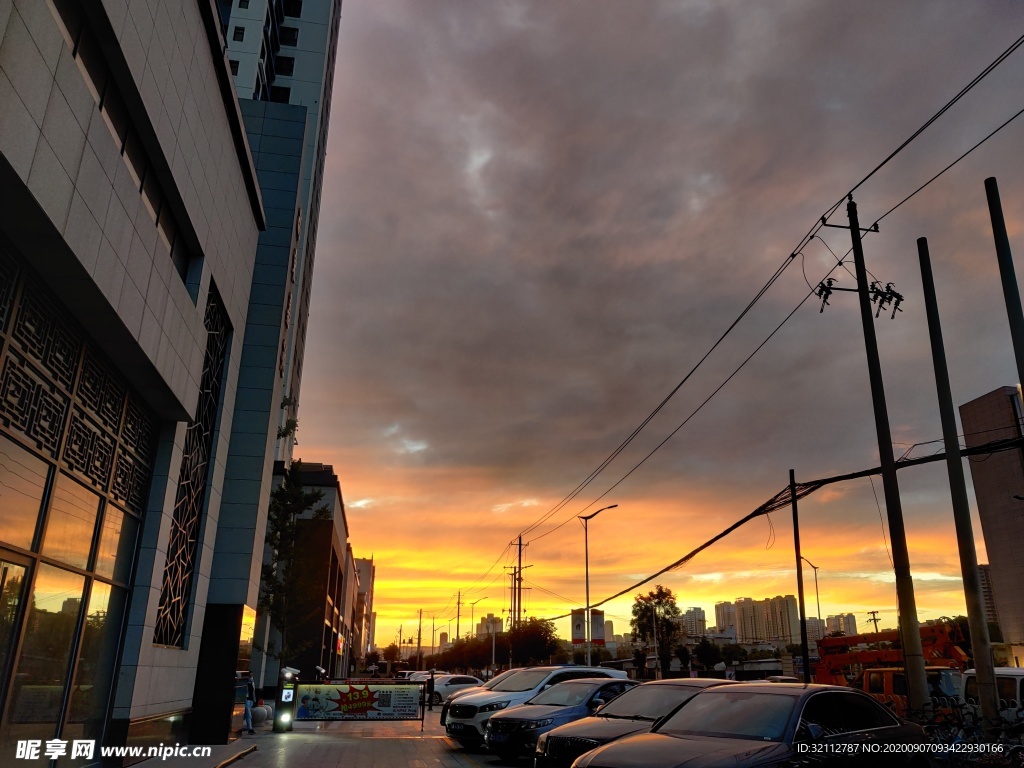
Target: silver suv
<point>467,716</point>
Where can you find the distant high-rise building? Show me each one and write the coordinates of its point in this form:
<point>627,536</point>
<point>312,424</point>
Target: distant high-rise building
<point>991,614</point>
<point>695,622</point>
<point>815,628</point>
<point>444,640</point>
<point>282,54</point>
<point>772,619</point>
<point>362,633</point>
<point>845,623</point>
<point>725,616</point>
<point>998,481</point>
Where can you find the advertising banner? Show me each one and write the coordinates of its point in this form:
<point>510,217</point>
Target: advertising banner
<point>579,632</point>
<point>363,701</point>
<point>596,627</point>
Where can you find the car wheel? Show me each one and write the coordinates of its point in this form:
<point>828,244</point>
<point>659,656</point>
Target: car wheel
<point>435,698</point>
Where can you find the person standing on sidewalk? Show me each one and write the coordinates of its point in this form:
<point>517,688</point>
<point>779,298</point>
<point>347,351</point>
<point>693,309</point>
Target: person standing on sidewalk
<point>250,700</point>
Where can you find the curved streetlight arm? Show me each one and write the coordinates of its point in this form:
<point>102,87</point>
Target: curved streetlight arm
<point>595,514</point>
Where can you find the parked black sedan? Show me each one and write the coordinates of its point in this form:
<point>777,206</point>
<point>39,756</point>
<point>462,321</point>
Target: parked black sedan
<point>633,712</point>
<point>770,724</point>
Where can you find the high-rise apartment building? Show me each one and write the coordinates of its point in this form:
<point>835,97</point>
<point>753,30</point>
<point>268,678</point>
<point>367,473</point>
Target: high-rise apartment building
<point>280,58</point>
<point>998,481</point>
<point>694,622</point>
<point>362,633</point>
<point>772,619</point>
<point>725,616</point>
<point>844,622</point>
<point>128,231</point>
<point>283,53</point>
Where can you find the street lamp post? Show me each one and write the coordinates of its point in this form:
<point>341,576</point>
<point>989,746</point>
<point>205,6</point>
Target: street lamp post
<point>816,597</point>
<point>586,567</point>
<point>471,614</point>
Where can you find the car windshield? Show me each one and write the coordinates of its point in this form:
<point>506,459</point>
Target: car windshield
<point>526,680</point>
<point>497,680</point>
<point>565,694</point>
<point>733,714</point>
<point>648,702</point>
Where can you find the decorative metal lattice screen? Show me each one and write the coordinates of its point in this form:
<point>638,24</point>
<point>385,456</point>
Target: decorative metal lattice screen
<point>183,544</point>
<point>59,395</point>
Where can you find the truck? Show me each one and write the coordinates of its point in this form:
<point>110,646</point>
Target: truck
<point>874,663</point>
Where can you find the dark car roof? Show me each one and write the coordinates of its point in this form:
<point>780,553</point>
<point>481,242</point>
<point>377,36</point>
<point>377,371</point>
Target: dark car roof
<point>691,682</point>
<point>795,690</point>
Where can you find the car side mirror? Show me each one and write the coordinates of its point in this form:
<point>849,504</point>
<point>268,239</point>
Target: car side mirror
<point>597,703</point>
<point>815,732</point>
<point>546,687</point>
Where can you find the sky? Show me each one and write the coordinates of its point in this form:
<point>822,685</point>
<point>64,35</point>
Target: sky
<point>539,216</point>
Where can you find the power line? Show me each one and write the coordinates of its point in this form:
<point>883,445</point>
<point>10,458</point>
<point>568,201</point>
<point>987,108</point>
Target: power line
<point>784,498</point>
<point>949,104</point>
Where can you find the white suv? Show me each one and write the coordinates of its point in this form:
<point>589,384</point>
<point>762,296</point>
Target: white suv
<point>468,715</point>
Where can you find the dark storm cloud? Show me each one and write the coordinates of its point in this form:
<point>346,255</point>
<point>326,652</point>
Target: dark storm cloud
<point>539,215</point>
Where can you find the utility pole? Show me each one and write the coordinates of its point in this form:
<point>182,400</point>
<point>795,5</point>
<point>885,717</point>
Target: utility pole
<point>511,596</point>
<point>419,638</point>
<point>432,646</point>
<point>988,697</point>
<point>806,652</point>
<point>1011,295</point>
<point>874,619</point>
<point>654,626</point>
<point>519,586</point>
<point>917,683</point>
<point>458,612</point>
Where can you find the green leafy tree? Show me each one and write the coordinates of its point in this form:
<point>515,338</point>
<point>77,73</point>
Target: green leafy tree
<point>372,660</point>
<point>640,664</point>
<point>533,642</point>
<point>656,612</point>
<point>392,653</point>
<point>733,652</point>
<point>708,654</point>
<point>683,654</point>
<point>290,591</point>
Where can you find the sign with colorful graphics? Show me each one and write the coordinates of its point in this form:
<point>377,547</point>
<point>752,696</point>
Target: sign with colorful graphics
<point>357,701</point>
<point>596,627</point>
<point>579,631</point>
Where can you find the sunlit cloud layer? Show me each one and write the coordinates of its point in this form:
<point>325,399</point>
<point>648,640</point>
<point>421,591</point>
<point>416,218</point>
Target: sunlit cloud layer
<point>539,216</point>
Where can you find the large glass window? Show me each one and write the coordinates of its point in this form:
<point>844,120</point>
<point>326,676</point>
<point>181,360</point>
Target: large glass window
<point>12,584</point>
<point>41,669</point>
<point>22,482</point>
<point>91,688</point>
<point>71,522</point>
<point>117,544</point>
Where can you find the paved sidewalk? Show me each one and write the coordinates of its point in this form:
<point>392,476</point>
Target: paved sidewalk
<point>342,745</point>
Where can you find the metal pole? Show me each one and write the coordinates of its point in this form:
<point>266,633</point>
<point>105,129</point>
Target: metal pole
<point>817,596</point>
<point>458,612</point>
<point>800,579</point>
<point>586,567</point>
<point>980,642</point>
<point>419,644</point>
<point>654,623</point>
<point>519,586</point>
<point>1011,294</point>
<point>910,630</point>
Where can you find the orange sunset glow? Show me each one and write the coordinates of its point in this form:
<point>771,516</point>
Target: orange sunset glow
<point>519,265</point>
